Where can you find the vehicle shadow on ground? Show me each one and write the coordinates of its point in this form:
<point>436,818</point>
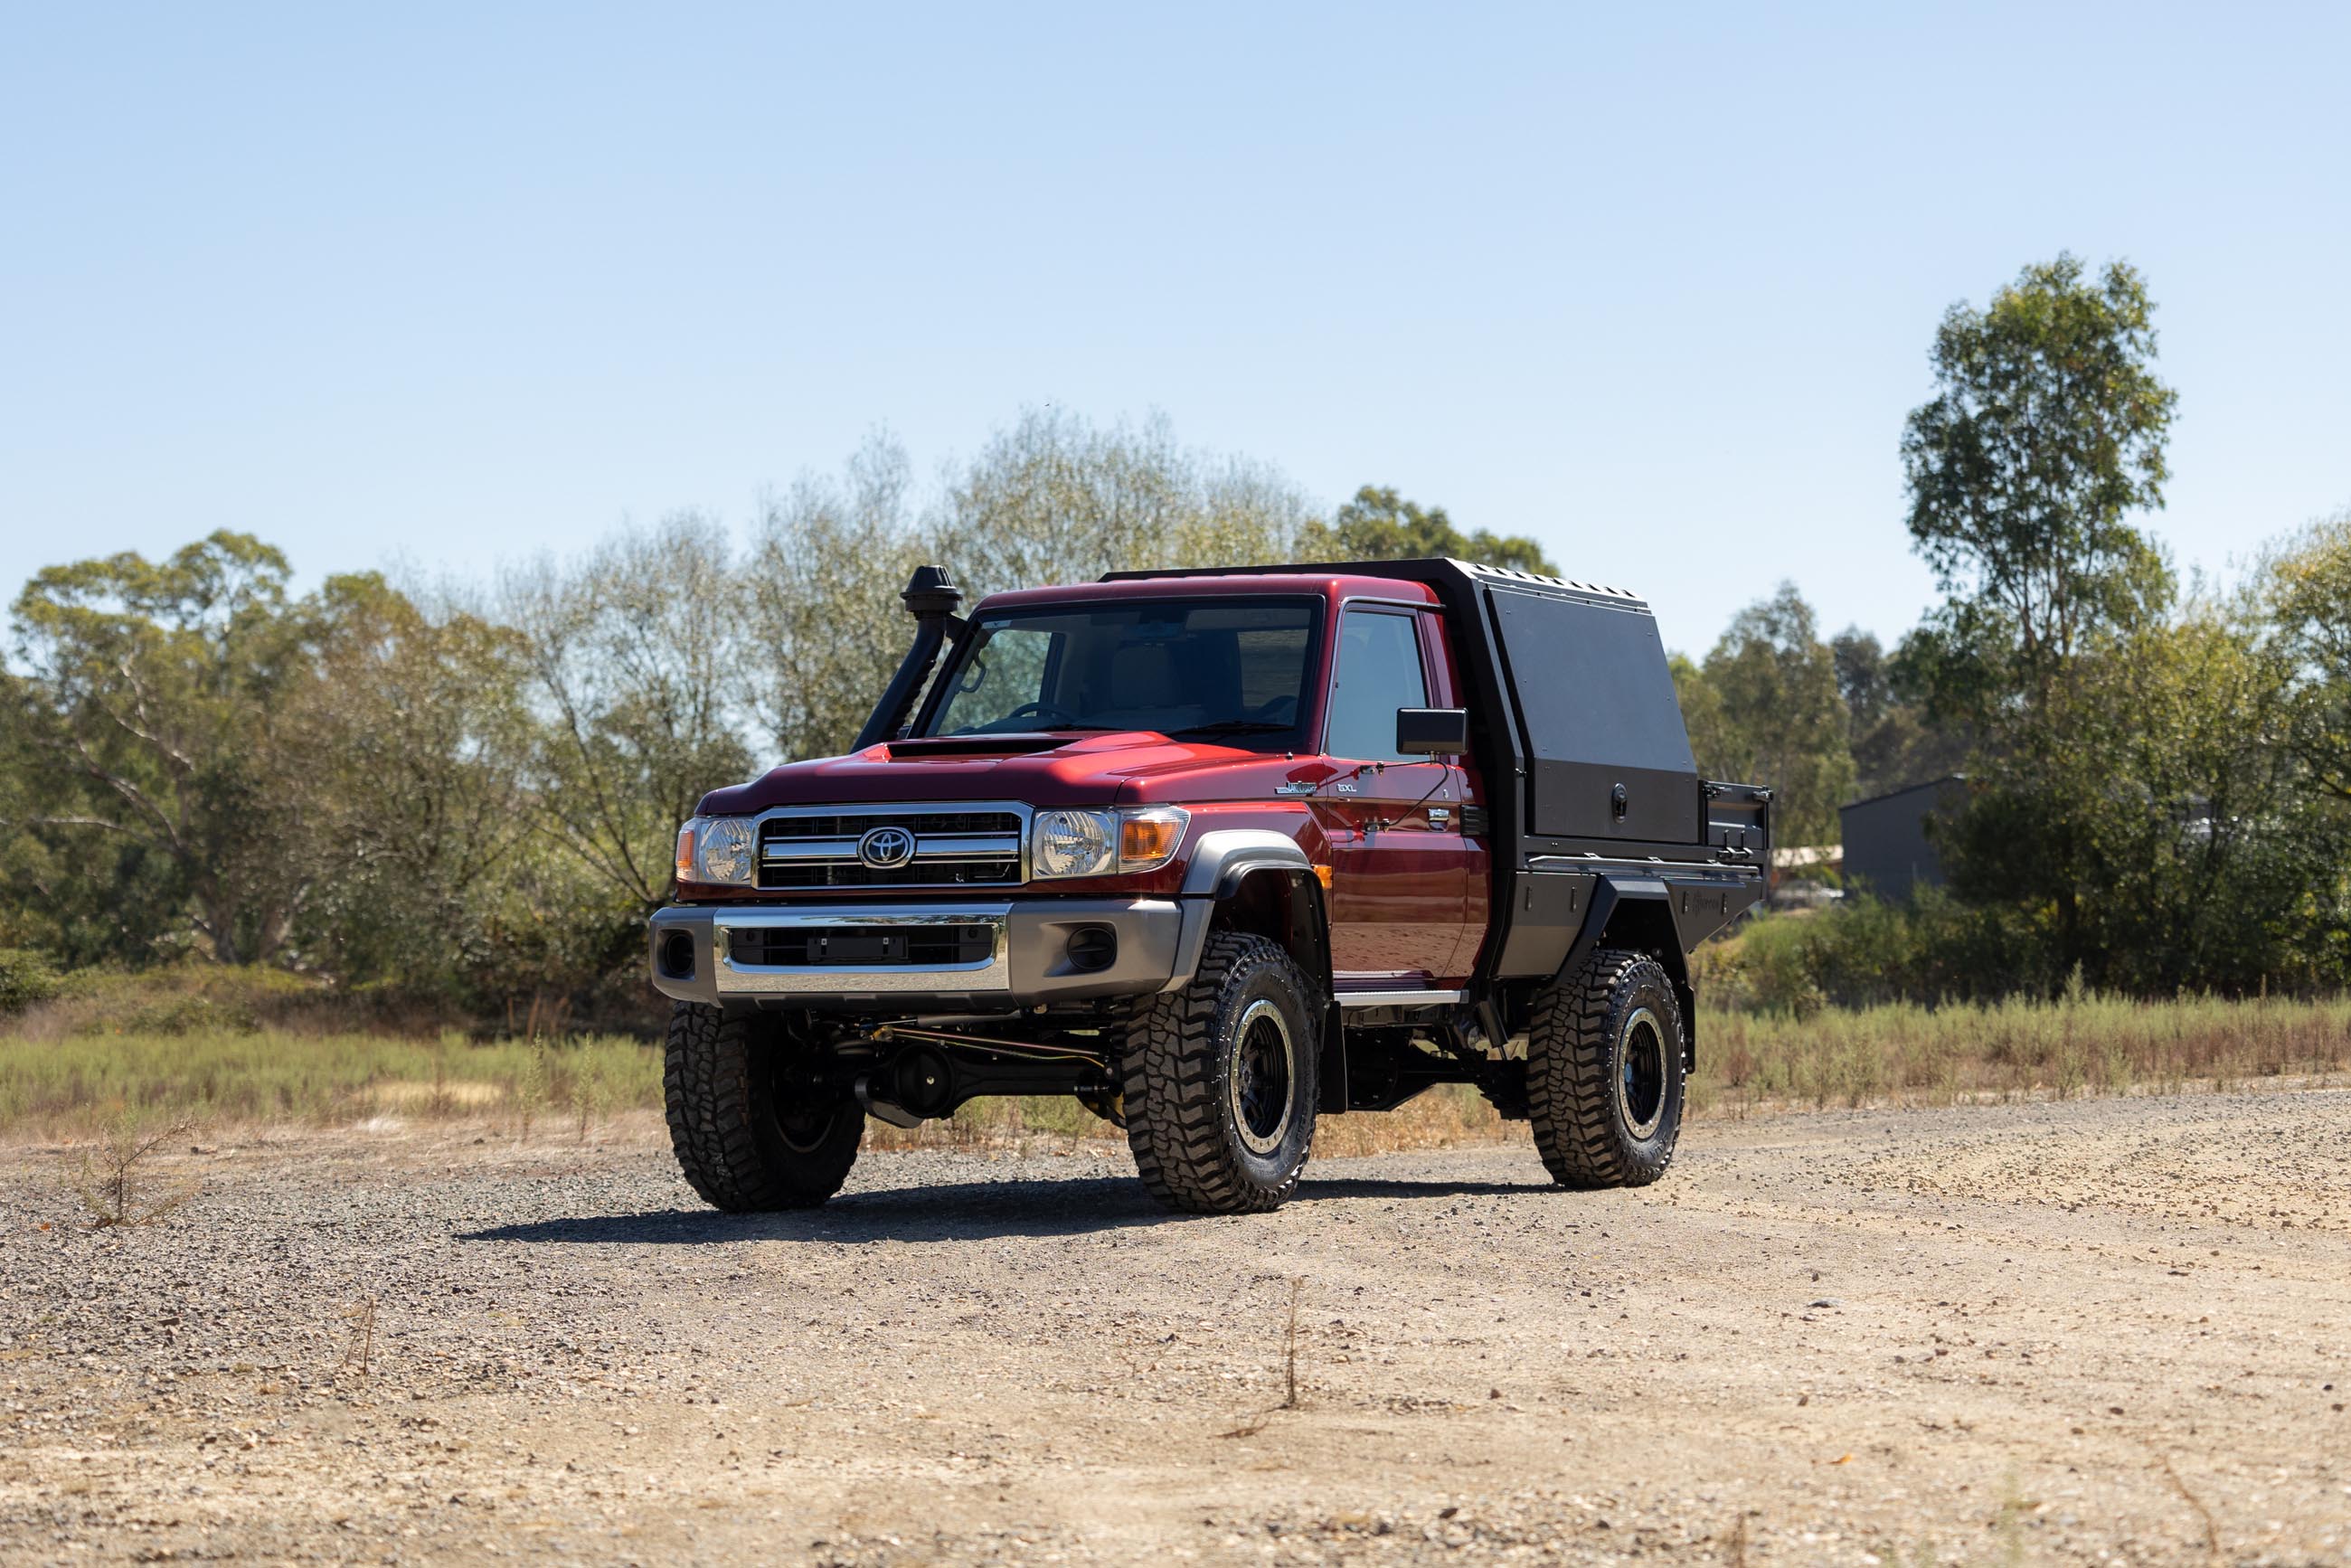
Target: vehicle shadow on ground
<point>951,1211</point>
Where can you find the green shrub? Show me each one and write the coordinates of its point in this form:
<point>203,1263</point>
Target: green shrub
<point>1861,952</point>
<point>191,1013</point>
<point>26,977</point>
<point>176,999</point>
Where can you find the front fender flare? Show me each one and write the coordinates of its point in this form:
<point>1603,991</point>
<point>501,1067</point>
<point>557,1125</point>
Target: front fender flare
<point>1219,861</point>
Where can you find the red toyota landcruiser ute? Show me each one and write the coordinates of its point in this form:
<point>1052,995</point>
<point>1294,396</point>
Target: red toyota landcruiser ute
<point>1216,852</point>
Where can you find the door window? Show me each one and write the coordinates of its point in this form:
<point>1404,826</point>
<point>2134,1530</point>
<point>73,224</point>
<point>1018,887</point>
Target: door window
<point>1379,671</point>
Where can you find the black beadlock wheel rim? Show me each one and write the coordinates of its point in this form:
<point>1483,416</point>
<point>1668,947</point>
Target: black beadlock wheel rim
<point>1641,1074</point>
<point>1264,1066</point>
<point>806,1124</point>
<point>803,1116</point>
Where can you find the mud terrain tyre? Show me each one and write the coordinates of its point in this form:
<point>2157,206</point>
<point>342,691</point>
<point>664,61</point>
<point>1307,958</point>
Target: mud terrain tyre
<point>1220,1083</point>
<point>751,1132</point>
<point>1605,1075</point>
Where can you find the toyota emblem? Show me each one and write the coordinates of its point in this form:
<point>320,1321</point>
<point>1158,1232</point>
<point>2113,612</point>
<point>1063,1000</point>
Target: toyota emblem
<point>887,848</point>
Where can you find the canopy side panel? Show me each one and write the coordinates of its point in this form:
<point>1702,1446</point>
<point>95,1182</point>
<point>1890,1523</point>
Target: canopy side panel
<point>1596,698</point>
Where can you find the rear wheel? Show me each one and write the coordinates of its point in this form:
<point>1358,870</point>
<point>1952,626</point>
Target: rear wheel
<point>1220,1081</point>
<point>752,1127</point>
<point>1605,1074</point>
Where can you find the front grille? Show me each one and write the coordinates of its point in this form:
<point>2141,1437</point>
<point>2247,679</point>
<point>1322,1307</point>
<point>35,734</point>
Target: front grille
<point>864,946</point>
<point>972,873</point>
<point>848,824</point>
<point>953,849</point>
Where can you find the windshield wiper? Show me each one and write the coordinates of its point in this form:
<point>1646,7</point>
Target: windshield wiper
<point>1234,726</point>
<point>1031,729</point>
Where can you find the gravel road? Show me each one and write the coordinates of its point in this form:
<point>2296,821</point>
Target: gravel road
<point>2115,1330</point>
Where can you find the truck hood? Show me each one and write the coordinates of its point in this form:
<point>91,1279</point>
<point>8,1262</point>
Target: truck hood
<point>1128,768</point>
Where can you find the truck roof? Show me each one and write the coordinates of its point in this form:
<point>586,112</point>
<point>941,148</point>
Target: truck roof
<point>1217,582</point>
<point>1441,573</point>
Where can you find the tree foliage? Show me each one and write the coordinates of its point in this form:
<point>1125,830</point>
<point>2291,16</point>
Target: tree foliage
<point>635,656</point>
<point>2047,429</point>
<point>153,703</point>
<point>421,732</point>
<point>1381,525</point>
<point>1054,498</point>
<point>826,562</point>
<point>2308,588</point>
<point>1766,707</point>
<point>1896,743</point>
<point>2141,771</point>
<point>2160,816</point>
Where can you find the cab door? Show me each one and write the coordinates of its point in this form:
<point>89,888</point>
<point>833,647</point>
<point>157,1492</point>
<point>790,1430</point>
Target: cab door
<point>1400,871</point>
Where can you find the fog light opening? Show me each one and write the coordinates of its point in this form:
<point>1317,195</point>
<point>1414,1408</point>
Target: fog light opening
<point>677,955</point>
<point>1092,948</point>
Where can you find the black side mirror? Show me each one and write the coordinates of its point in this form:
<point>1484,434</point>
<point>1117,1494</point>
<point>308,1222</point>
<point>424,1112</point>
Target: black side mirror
<point>1432,731</point>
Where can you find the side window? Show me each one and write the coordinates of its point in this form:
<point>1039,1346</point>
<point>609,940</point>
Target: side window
<point>1003,674</point>
<point>1379,672</point>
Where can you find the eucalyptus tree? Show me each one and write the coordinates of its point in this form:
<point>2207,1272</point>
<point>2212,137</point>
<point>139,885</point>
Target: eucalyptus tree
<point>149,718</point>
<point>2047,430</point>
<point>1380,524</point>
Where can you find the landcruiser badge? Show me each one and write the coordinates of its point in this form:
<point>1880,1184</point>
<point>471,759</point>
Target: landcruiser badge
<point>887,848</point>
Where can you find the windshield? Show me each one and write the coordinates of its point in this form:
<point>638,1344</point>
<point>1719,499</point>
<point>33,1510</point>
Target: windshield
<point>1229,669</point>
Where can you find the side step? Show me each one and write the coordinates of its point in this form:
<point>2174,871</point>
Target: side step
<point>1352,1001</point>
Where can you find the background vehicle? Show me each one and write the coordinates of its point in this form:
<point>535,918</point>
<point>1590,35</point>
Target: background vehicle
<point>1216,852</point>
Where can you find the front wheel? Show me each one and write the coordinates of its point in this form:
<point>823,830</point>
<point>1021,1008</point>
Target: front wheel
<point>753,1128</point>
<point>1220,1081</point>
<point>1605,1072</point>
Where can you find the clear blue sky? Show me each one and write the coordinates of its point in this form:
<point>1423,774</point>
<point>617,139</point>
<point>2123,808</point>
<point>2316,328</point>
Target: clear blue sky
<point>1653,284</point>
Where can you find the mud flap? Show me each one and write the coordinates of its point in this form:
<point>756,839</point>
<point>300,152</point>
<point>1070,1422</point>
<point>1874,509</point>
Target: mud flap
<point>1330,1098</point>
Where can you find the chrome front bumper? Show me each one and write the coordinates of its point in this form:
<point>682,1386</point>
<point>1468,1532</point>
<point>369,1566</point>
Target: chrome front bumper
<point>1028,962</point>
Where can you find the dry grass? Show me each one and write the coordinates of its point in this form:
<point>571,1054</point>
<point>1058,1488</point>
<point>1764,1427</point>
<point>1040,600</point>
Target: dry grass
<point>1443,1117</point>
<point>1902,1054</point>
<point>78,1085</point>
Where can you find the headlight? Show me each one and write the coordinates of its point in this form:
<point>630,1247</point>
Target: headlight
<point>1075,844</point>
<point>1105,843</point>
<point>723,850</point>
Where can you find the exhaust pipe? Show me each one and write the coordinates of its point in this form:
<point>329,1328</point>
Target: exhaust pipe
<point>930,596</point>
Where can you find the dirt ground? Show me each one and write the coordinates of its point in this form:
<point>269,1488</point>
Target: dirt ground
<point>2115,1330</point>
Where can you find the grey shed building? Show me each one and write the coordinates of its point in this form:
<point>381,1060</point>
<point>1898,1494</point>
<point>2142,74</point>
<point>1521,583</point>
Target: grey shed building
<point>1887,849</point>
